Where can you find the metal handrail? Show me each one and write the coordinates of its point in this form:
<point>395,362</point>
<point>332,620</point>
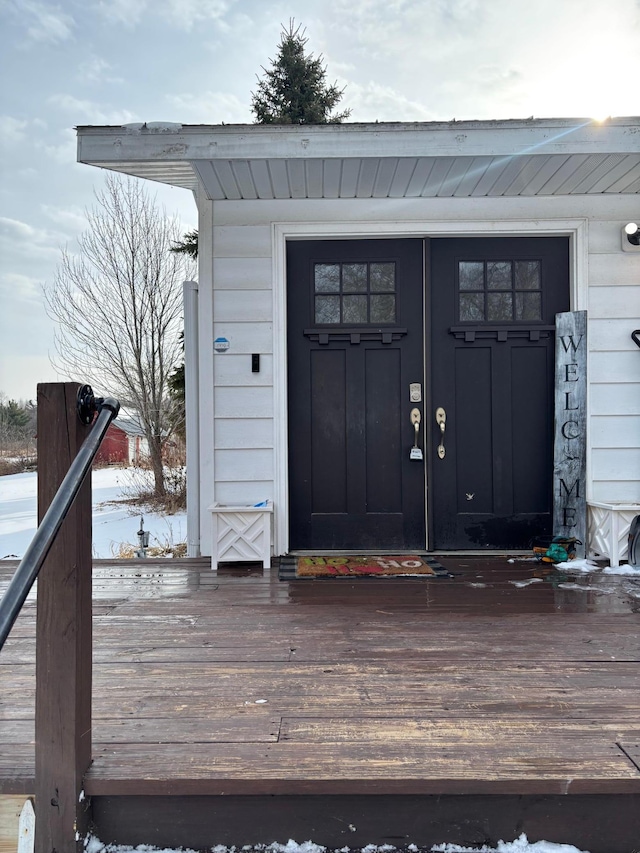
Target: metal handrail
<point>36,553</point>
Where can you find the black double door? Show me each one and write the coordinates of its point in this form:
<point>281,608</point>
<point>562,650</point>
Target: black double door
<point>492,345</point>
<point>357,351</point>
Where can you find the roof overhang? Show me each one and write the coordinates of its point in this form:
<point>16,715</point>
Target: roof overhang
<point>381,160</point>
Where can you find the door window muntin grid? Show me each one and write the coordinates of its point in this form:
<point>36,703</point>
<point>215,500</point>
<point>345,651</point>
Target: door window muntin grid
<point>499,291</point>
<point>355,293</point>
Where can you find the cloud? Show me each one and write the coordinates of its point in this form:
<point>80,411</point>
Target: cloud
<point>72,219</point>
<point>406,30</point>
<point>179,13</point>
<point>210,108</point>
<point>65,152</point>
<point>20,289</point>
<point>96,70</point>
<point>14,229</point>
<point>373,102</point>
<point>44,22</point>
<point>34,250</point>
<point>126,12</point>
<point>83,110</point>
<point>18,237</point>
<point>12,130</point>
<point>186,13</point>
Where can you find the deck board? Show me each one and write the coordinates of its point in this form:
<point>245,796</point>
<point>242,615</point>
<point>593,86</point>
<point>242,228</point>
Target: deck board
<point>234,682</point>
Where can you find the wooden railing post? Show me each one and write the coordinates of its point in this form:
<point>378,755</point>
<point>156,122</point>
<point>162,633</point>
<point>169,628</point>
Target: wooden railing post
<point>63,638</point>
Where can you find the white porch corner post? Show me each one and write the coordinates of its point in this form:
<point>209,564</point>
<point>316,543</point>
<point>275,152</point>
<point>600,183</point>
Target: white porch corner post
<point>205,366</point>
<point>192,412</point>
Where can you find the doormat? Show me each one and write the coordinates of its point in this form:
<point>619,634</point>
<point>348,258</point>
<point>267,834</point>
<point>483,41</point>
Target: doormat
<point>330,566</point>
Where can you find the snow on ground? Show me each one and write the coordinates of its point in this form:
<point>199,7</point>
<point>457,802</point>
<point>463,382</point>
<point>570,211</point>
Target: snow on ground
<point>114,524</point>
<point>520,845</point>
<point>590,566</point>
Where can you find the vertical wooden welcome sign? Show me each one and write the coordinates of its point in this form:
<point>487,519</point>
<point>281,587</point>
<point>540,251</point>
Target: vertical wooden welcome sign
<point>570,444</point>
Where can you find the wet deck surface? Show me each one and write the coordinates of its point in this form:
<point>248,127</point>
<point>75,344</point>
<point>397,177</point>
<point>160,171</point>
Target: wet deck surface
<point>507,678</point>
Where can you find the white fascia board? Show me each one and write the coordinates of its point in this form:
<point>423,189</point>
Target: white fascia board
<point>104,145</point>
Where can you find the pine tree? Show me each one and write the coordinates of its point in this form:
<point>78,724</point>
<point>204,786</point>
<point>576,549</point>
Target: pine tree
<point>294,90</point>
<point>188,245</point>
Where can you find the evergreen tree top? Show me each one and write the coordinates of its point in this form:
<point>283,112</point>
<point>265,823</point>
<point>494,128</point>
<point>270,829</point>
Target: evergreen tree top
<point>293,90</point>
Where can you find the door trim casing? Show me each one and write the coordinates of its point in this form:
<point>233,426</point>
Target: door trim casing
<point>575,229</point>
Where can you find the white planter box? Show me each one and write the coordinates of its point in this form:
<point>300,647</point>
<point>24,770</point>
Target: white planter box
<point>609,525</point>
<point>241,533</point>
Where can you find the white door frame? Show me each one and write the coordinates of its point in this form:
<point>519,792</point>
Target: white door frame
<point>575,229</point>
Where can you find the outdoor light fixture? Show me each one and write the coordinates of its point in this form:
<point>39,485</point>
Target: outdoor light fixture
<point>631,237</point>
<point>632,230</point>
<point>143,540</point>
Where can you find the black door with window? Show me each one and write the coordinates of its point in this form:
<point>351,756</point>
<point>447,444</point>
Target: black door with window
<point>493,306</point>
<point>355,372</point>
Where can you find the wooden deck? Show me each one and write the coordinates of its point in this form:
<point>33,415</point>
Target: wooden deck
<point>237,690</point>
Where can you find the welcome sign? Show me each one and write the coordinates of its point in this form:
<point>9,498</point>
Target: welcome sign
<point>570,443</point>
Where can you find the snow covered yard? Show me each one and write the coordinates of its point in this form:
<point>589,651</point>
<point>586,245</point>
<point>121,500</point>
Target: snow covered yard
<point>114,523</point>
<point>519,845</point>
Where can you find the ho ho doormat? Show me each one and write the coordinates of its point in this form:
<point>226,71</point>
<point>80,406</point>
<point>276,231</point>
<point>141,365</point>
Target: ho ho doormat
<point>337,566</point>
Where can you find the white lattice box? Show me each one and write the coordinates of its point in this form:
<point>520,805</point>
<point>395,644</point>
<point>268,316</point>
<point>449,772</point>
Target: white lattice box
<point>609,525</point>
<point>241,533</point>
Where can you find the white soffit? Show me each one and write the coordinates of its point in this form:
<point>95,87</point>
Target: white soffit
<point>461,159</point>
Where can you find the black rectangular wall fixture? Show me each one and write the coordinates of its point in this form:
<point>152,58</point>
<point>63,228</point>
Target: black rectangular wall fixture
<point>255,362</point>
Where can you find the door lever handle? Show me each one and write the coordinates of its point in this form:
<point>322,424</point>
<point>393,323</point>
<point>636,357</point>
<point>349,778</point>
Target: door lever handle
<point>441,420</point>
<point>416,417</point>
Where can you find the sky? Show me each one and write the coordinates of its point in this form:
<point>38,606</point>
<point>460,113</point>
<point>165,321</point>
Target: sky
<point>109,62</point>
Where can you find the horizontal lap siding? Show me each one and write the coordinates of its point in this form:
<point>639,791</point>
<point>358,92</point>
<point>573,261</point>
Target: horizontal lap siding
<point>614,363</point>
<point>243,313</point>
<point>243,400</point>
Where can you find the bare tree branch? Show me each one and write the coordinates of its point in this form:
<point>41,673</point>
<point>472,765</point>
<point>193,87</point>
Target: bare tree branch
<point>118,306</point>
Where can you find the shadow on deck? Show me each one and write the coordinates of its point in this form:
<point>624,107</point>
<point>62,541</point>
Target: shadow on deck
<point>231,707</point>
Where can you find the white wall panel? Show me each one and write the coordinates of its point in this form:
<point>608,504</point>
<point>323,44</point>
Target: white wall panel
<point>615,492</point>
<point>239,465</point>
<point>235,402</point>
<point>619,268</point>
<point>615,431</point>
<point>620,209</point>
<point>245,337</point>
<point>233,369</point>
<point>242,305</point>
<point>242,273</point>
<point>242,241</point>
<point>613,302</point>
<point>605,235</point>
<point>615,464</point>
<point>614,366</point>
<point>245,493</point>
<point>608,335</point>
<point>236,433</point>
<point>619,399</point>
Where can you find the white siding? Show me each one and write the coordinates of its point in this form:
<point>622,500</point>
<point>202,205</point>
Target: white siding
<point>247,464</point>
<point>236,402</point>
<point>242,273</point>
<point>234,369</point>
<point>248,432</point>
<point>614,366</point>
<point>253,306</point>
<point>607,279</point>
